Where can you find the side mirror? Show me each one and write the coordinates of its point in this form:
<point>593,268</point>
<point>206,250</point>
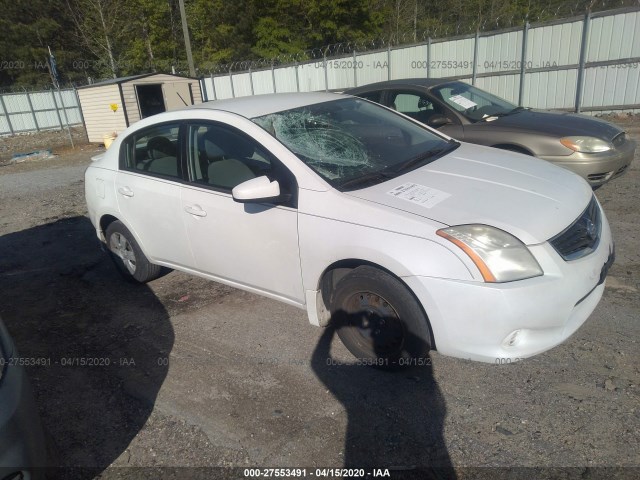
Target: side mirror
<point>437,121</point>
<point>256,190</point>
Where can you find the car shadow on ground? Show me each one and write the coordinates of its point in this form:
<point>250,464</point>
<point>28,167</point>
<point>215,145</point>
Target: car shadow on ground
<point>104,343</point>
<point>394,418</point>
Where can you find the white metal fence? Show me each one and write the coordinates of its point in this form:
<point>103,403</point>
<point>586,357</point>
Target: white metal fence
<point>35,111</point>
<point>588,63</point>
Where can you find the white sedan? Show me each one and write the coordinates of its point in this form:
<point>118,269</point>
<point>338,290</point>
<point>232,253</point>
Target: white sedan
<point>405,239</point>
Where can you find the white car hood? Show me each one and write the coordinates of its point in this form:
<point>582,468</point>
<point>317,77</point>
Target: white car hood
<point>527,197</point>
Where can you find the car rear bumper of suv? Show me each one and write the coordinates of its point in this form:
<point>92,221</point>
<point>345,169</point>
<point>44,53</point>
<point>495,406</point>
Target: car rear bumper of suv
<point>506,322</point>
<point>598,168</point>
<point>22,445</point>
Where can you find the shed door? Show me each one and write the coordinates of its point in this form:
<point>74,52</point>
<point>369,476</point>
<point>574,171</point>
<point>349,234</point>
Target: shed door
<point>177,95</point>
<point>150,100</point>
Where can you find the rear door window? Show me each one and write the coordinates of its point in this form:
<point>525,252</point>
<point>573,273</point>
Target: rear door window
<point>154,150</point>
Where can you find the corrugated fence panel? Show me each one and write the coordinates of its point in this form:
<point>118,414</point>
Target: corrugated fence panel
<point>73,116</point>
<point>499,52</point>
<point>452,58</point>
<point>311,76</point>
<point>223,87</point>
<point>554,45</point>
<point>208,88</point>
<point>241,84</point>
<point>604,86</point>
<point>22,122</point>
<point>68,97</point>
<point>340,72</point>
<point>67,104</point>
<point>614,36</point>
<point>41,114</point>
<point>49,117</point>
<point>16,103</point>
<point>373,68</point>
<point>409,62</point>
<point>416,66</point>
<point>262,82</point>
<point>505,86</point>
<point>286,79</point>
<point>41,100</point>
<point>47,120</point>
<point>4,125</point>
<point>551,89</point>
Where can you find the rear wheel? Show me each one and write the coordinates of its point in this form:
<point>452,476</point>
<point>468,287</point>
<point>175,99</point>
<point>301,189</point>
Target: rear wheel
<point>127,255</point>
<point>379,320</point>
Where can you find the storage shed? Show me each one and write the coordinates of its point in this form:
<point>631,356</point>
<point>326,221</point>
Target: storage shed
<point>113,105</point>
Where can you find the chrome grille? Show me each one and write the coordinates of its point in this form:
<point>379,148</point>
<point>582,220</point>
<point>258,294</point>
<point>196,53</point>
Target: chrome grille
<point>594,177</point>
<point>582,236</point>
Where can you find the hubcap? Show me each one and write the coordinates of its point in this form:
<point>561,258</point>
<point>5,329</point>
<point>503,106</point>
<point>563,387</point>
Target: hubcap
<point>119,245</point>
<point>377,323</point>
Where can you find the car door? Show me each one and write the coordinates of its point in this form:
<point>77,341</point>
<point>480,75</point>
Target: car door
<point>148,192</point>
<point>252,245</point>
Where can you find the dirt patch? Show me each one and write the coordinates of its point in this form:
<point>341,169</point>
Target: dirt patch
<point>55,140</point>
<point>66,157</point>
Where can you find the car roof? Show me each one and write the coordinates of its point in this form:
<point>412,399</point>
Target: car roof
<point>258,105</point>
<point>417,82</point>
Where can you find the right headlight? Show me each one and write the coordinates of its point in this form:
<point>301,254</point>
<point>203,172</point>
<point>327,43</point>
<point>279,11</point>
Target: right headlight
<point>586,144</point>
<point>499,256</point>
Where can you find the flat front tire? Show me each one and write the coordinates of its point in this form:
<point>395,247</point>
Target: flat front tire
<point>379,320</point>
<point>127,255</point>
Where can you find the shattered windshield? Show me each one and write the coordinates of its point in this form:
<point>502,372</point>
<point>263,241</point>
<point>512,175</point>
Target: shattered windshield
<point>350,139</point>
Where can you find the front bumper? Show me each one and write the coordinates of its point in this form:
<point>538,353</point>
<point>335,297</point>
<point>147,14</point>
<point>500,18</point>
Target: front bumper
<point>505,322</point>
<point>598,168</point>
<point>22,445</point>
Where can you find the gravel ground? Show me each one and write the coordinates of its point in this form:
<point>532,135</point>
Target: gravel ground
<point>203,375</point>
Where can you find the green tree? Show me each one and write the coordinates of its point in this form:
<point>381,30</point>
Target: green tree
<point>221,31</point>
<point>99,30</point>
<point>152,44</point>
<point>29,27</point>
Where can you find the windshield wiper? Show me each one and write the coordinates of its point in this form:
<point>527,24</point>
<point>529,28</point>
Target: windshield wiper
<point>504,114</point>
<point>421,159</point>
<point>369,178</point>
<point>396,170</point>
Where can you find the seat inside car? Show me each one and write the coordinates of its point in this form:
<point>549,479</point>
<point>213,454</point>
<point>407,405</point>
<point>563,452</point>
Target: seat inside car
<point>226,154</point>
<point>163,155</point>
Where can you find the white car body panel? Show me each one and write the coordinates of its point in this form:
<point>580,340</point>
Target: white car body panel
<point>503,189</point>
<point>546,309</point>
<point>252,244</point>
<point>334,227</point>
<point>157,208</point>
<point>282,253</point>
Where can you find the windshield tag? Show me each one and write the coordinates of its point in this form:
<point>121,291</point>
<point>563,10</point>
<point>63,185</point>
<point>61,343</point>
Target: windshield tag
<point>462,101</point>
<point>426,197</point>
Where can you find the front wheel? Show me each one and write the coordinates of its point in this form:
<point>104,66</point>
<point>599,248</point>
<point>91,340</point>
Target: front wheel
<point>379,320</point>
<point>127,255</point>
